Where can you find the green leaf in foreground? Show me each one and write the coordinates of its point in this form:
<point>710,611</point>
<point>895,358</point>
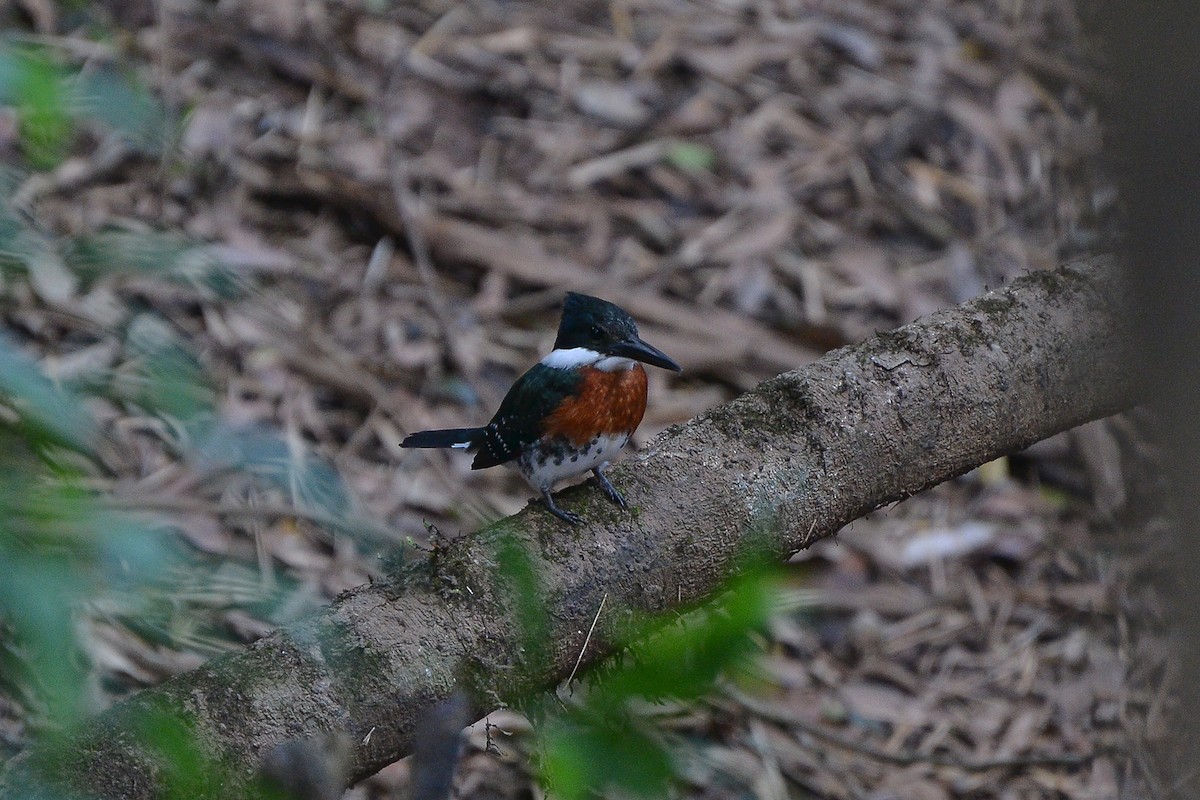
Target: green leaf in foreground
<point>40,92</point>
<point>604,744</point>
<point>51,99</point>
<point>116,99</point>
<point>46,414</point>
<point>142,252</point>
<point>164,376</point>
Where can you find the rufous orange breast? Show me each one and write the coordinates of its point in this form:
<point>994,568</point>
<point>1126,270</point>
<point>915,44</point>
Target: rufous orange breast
<point>608,404</point>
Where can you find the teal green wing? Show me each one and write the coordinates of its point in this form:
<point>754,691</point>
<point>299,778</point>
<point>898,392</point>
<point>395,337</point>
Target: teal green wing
<point>518,422</point>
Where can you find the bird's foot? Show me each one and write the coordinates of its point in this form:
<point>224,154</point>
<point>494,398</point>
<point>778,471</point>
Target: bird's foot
<point>609,490</point>
<point>566,516</point>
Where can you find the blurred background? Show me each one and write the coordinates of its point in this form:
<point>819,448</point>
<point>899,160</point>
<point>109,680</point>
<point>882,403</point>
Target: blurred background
<point>248,245</point>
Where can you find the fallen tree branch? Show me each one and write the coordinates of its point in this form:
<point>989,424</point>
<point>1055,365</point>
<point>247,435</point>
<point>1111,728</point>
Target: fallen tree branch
<point>782,466</point>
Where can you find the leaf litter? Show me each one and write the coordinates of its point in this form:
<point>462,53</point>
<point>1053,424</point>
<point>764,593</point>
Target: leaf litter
<point>362,226</point>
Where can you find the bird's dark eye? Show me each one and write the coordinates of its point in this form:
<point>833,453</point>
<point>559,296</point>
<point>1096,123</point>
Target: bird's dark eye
<point>597,332</point>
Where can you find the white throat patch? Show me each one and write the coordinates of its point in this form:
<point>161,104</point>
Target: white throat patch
<point>576,357</point>
<point>615,364</point>
<point>572,358</point>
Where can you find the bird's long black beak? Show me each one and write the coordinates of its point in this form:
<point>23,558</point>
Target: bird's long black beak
<point>646,353</point>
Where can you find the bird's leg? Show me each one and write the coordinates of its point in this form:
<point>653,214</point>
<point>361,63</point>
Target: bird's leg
<point>566,516</point>
<point>606,486</point>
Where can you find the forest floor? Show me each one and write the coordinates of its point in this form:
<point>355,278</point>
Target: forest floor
<point>381,209</point>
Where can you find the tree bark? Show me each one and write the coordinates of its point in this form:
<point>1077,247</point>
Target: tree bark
<point>784,465</point>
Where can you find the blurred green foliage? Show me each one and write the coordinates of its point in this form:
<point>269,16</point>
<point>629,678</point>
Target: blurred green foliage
<point>118,102</point>
<point>53,102</point>
<point>72,262</point>
<point>66,554</point>
<point>58,546</point>
<point>40,413</point>
<point>606,744</point>
<point>40,91</point>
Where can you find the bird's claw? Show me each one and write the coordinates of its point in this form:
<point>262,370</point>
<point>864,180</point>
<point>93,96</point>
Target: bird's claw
<point>609,490</point>
<point>569,517</point>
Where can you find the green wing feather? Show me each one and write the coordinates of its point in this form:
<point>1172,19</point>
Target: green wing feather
<point>518,422</point>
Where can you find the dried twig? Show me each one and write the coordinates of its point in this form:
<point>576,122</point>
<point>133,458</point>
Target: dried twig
<point>587,639</point>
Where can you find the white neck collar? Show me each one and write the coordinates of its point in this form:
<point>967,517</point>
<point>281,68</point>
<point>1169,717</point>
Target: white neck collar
<point>575,357</point>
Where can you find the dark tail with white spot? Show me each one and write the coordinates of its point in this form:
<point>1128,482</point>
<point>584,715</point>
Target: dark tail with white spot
<point>461,438</point>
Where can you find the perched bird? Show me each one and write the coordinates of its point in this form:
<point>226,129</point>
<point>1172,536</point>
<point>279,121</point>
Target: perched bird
<point>572,411</point>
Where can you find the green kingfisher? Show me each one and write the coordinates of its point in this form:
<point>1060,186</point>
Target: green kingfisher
<point>573,410</point>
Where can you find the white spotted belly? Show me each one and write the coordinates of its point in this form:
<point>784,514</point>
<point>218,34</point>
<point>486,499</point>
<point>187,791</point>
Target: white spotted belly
<point>557,460</point>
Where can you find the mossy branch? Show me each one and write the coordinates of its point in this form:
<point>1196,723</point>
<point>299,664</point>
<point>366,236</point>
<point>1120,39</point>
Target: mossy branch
<point>778,468</point>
